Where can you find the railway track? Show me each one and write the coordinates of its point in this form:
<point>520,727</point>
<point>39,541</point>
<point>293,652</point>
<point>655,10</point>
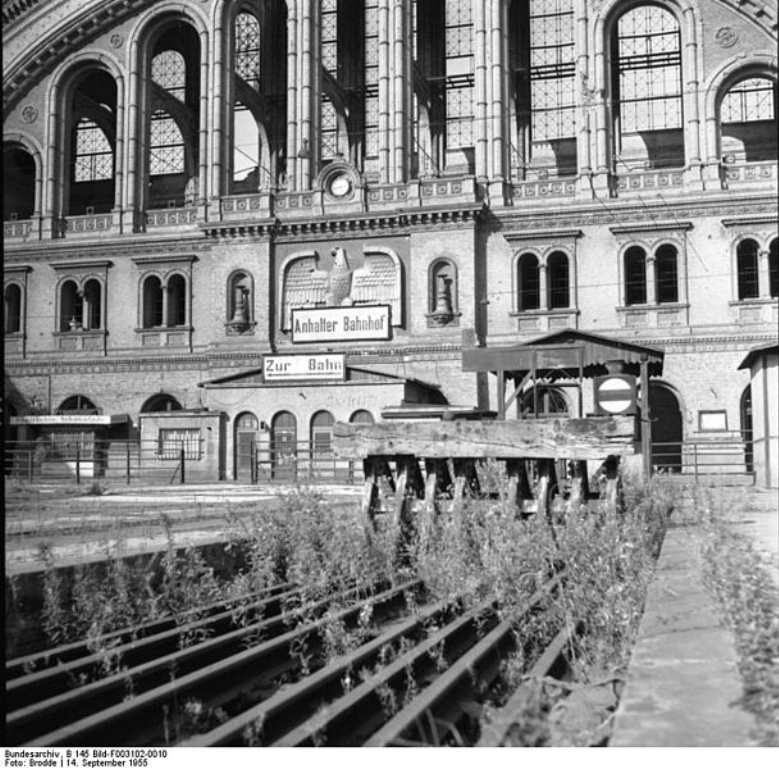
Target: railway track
<point>415,676</point>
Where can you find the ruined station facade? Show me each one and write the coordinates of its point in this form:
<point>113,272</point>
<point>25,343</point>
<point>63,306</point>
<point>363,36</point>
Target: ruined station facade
<point>282,214</point>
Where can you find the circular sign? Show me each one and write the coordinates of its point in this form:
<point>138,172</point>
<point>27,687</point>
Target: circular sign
<point>615,395</point>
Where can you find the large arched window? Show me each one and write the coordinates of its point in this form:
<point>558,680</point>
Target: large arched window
<point>541,54</point>
<point>77,404</point>
<point>647,89</point>
<point>635,276</point>
<point>91,180</point>
<point>747,270</point>
<point>444,95</point>
<point>748,120</point>
<point>174,117</point>
<point>259,98</point>
<point>529,283</point>
<point>18,183</point>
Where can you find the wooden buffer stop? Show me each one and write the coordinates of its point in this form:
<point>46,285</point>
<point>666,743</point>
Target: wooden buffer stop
<point>420,458</point>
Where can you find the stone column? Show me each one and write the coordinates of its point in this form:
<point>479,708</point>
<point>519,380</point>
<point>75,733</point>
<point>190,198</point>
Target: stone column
<point>651,292</point>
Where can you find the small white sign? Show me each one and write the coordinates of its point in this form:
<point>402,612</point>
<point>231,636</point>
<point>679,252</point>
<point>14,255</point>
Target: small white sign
<point>303,367</point>
<point>341,324</point>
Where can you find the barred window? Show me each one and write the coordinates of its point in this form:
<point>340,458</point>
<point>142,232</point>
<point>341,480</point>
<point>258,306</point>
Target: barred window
<point>329,116</point>
<point>459,74</point>
<point>247,49</point>
<point>94,155</point>
<point>172,441</point>
<point>166,153</point>
<point>649,63</point>
<point>169,70</point>
<point>748,101</point>
<point>371,103</point>
<point>552,69</point>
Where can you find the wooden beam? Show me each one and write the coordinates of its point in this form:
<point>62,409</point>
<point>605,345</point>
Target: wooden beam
<point>557,438</point>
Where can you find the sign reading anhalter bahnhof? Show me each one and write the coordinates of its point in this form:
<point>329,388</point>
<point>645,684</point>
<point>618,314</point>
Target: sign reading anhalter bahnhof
<point>341,323</point>
<point>303,367</point>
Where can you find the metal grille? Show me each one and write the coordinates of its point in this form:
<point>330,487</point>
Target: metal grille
<point>650,70</point>
<point>552,69</point>
<point>459,70</point>
<point>94,156</point>
<point>247,49</point>
<point>166,154</point>
<point>172,441</point>
<point>371,78</point>
<point>329,118</point>
<point>169,70</point>
<point>747,101</point>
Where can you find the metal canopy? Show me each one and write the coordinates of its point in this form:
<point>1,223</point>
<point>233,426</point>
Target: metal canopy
<point>572,351</point>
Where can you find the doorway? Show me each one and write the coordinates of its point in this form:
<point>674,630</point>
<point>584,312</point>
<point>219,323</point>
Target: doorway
<point>246,426</point>
<point>283,446</point>
<point>667,430</point>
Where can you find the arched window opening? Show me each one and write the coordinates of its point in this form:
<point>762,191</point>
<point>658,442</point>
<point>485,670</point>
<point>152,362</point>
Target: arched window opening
<point>529,283</point>
<point>444,96</point>
<point>260,99</point>
<point>666,275</point>
<point>13,308</point>
<point>77,404</point>
<point>541,53</point>
<point>558,277</point>
<point>247,426</point>
<point>71,307</point>
<point>92,145</point>
<point>647,89</point>
<point>174,118</point>
<point>773,269</point>
<point>542,402</point>
<point>747,261</point>
<point>177,301</point>
<point>240,303</point>
<point>442,293</point>
<point>321,432</point>
<point>152,302</point>
<point>92,310</point>
<point>362,417</point>
<point>161,402</point>
<point>635,276</point>
<point>748,120</point>
<point>18,184</point>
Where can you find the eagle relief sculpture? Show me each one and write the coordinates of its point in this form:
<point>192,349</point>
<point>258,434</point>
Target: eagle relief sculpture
<point>312,280</point>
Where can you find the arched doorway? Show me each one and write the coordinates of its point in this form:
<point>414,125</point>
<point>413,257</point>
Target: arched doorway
<point>283,446</point>
<point>745,412</point>
<point>246,427</point>
<point>667,431</point>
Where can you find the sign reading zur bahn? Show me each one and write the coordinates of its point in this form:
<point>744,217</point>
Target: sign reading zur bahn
<point>335,324</point>
<point>303,367</point>
<point>615,394</point>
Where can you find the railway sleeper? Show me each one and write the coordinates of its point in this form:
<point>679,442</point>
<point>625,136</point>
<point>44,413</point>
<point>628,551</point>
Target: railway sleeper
<point>24,691</point>
<point>205,671</point>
